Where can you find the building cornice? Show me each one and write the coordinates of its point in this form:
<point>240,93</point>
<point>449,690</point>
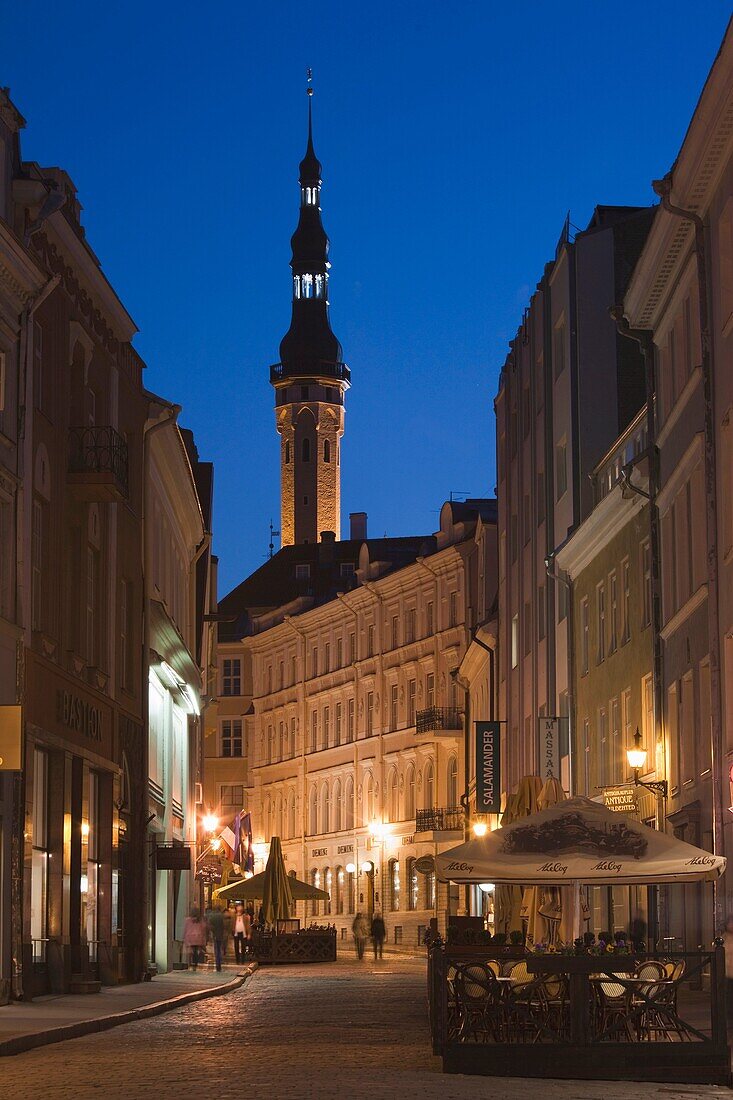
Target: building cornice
<point>20,275</point>
<point>696,175</point>
<point>85,282</point>
<point>605,521</point>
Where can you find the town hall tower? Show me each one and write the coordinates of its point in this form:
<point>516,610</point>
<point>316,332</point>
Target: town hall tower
<point>311,379</point>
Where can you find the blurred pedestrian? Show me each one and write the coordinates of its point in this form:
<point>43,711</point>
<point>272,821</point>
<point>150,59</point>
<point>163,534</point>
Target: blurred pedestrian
<point>361,931</point>
<point>378,931</point>
<point>728,945</point>
<point>637,930</point>
<point>242,932</point>
<point>218,924</point>
<point>194,937</point>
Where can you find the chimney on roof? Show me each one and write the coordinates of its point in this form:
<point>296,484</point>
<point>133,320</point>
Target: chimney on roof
<point>358,525</point>
<point>325,548</point>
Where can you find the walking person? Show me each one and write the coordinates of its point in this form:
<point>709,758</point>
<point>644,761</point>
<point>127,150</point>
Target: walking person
<point>217,925</point>
<point>379,931</point>
<point>728,945</point>
<point>361,931</point>
<point>242,932</point>
<point>194,937</point>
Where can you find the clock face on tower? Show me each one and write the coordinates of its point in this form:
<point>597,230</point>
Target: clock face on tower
<point>311,378</point>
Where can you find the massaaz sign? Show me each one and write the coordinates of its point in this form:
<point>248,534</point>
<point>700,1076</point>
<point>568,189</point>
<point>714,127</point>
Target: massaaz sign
<point>488,767</point>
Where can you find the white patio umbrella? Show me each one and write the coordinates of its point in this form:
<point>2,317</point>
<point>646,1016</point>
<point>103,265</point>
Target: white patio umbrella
<point>573,843</point>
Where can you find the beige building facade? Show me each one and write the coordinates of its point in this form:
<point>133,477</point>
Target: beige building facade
<point>681,299</point>
<point>355,741</point>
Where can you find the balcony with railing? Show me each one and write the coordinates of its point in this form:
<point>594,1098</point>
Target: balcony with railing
<point>439,720</point>
<point>628,452</point>
<point>439,821</point>
<point>279,372</point>
<point>98,463</point>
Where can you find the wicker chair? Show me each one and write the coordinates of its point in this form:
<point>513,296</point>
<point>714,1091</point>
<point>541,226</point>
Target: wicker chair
<point>478,1001</point>
<point>613,1003</point>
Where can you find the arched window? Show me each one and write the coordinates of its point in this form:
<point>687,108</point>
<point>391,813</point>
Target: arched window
<point>291,815</point>
<point>268,820</point>
<point>327,886</point>
<point>325,809</point>
<point>349,805</point>
<point>409,793</point>
<point>412,885</point>
<point>430,890</point>
<point>393,871</point>
<point>339,890</point>
<point>368,798</point>
<point>336,807</point>
<point>313,812</point>
<point>393,803</point>
<point>452,792</point>
<point>315,881</point>
<point>350,891</point>
<point>287,452</point>
<point>306,450</point>
<point>429,783</point>
<point>326,451</point>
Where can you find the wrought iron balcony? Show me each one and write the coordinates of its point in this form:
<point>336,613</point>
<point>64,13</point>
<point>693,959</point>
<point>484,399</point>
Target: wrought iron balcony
<point>438,720</point>
<point>338,371</point>
<point>98,463</point>
<point>439,821</point>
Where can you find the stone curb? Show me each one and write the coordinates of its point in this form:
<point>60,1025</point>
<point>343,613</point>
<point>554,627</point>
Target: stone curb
<point>21,1043</point>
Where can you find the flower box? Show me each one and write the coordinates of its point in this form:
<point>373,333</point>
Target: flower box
<point>580,964</point>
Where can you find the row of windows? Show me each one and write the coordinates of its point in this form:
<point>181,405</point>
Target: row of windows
<point>335,723</point>
<point>613,615</point>
<point>608,735</point>
<point>560,358</point>
<point>305,450</point>
<point>310,286</point>
<point>340,884</point>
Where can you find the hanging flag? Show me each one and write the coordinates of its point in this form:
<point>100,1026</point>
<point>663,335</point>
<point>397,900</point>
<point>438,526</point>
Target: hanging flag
<point>237,837</point>
<point>248,860</point>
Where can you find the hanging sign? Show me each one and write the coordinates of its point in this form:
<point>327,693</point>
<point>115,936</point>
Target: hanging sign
<point>488,767</point>
<point>621,799</point>
<point>173,857</point>
<point>548,750</point>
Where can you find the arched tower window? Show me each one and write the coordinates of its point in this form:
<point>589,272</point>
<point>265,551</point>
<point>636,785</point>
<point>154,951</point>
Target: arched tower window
<point>326,451</point>
<point>306,450</point>
<point>409,793</point>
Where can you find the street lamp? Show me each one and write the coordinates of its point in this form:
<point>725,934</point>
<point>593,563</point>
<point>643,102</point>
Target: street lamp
<point>479,828</point>
<point>210,823</point>
<point>636,757</point>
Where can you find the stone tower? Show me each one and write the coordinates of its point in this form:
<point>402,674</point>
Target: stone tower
<point>310,380</point>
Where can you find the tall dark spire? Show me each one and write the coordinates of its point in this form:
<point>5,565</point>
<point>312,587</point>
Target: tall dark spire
<point>309,346</point>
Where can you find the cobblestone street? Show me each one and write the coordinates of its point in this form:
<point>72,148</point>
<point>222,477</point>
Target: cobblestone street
<point>343,1030</point>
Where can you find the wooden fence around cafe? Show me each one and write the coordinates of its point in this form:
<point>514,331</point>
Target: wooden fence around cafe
<point>580,1017</point>
<point>303,946</point>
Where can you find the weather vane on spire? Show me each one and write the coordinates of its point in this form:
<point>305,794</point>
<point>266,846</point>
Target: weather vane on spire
<point>309,74</point>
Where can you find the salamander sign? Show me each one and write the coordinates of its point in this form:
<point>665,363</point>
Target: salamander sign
<point>488,767</point>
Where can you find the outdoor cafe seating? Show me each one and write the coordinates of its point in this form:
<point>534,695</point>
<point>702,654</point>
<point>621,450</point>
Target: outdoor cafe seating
<point>577,1006</point>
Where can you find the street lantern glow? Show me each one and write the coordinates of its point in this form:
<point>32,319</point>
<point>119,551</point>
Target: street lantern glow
<point>210,823</point>
<point>480,828</point>
<point>637,755</point>
<point>486,887</point>
<point>350,868</point>
<point>367,866</point>
<point>216,844</point>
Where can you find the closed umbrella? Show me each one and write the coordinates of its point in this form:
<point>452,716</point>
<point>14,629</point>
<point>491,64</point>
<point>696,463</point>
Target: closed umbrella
<point>509,899</point>
<point>543,905</point>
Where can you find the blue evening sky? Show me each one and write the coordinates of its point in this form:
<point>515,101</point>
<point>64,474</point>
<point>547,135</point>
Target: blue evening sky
<point>454,138</point>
